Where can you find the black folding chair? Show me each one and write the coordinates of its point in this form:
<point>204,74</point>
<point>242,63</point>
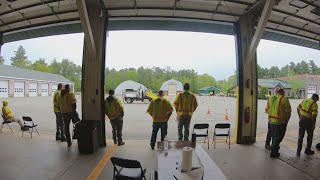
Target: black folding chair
<point>28,122</point>
<point>224,132</point>
<point>74,133</point>
<point>4,122</point>
<point>154,175</point>
<point>127,169</point>
<point>201,130</point>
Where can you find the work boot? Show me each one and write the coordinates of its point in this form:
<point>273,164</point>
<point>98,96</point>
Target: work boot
<point>309,152</point>
<point>63,139</point>
<point>152,146</point>
<point>24,128</point>
<point>121,143</point>
<point>275,155</point>
<point>267,146</point>
<point>115,141</point>
<point>298,153</point>
<point>69,143</point>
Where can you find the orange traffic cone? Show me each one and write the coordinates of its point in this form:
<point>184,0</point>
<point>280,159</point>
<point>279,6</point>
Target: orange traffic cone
<point>209,112</point>
<point>226,117</point>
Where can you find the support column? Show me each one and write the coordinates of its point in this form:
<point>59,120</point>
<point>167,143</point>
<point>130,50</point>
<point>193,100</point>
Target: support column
<point>247,40</point>
<point>94,22</point>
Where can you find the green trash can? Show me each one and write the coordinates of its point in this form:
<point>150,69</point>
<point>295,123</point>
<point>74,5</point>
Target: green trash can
<point>87,136</point>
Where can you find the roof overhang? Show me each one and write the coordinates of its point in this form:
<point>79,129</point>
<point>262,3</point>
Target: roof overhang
<point>292,21</point>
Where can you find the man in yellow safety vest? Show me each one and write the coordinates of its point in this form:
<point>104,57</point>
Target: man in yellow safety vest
<point>114,111</point>
<point>160,109</point>
<point>185,104</point>
<point>307,111</point>
<point>279,110</point>
<point>7,115</point>
<point>60,135</point>
<point>68,107</point>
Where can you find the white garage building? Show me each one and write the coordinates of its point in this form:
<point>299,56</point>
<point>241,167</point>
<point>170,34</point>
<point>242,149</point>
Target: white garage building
<point>171,87</point>
<point>19,82</point>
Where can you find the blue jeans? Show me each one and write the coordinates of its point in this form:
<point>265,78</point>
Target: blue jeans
<point>155,128</point>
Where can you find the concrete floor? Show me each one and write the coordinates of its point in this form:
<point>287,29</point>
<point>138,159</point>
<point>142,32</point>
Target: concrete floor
<point>44,158</point>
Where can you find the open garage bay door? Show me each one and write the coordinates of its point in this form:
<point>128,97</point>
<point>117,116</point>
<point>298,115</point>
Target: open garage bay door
<point>44,89</point>
<point>4,89</point>
<point>172,89</point>
<point>33,89</point>
<point>311,90</point>
<point>18,89</point>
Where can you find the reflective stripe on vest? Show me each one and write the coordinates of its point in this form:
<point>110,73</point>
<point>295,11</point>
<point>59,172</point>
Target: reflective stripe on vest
<point>274,113</point>
<point>160,110</point>
<point>186,104</point>
<point>305,109</point>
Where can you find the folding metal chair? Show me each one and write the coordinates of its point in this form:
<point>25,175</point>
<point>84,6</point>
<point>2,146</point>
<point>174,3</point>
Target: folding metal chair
<point>225,133</point>
<point>28,122</point>
<point>128,169</point>
<point>4,122</point>
<point>201,130</point>
<point>74,131</point>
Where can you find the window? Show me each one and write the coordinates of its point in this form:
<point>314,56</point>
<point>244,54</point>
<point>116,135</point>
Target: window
<point>33,90</point>
<point>18,90</point>
<point>44,90</point>
<point>3,89</point>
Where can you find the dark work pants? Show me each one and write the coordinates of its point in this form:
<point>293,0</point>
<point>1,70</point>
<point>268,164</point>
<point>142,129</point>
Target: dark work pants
<point>305,125</point>
<point>155,128</point>
<point>269,135</point>
<point>67,117</point>
<point>278,132</point>
<point>117,125</point>
<point>59,125</point>
<point>184,121</point>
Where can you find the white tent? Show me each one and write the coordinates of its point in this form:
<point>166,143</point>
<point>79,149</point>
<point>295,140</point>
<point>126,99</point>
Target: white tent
<point>172,87</point>
<point>128,85</point>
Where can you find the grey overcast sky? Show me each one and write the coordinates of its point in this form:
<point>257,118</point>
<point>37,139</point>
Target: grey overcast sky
<point>206,53</point>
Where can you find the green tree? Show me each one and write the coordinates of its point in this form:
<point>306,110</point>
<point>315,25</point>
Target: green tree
<point>263,93</point>
<point>20,59</point>
<point>55,67</point>
<point>40,65</point>
<point>1,60</point>
<point>296,84</point>
<point>314,69</point>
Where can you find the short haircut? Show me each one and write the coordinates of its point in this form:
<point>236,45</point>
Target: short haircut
<point>315,96</point>
<point>111,92</point>
<point>186,86</point>
<point>67,86</point>
<point>160,92</point>
<point>4,102</point>
<point>59,86</point>
<point>280,91</point>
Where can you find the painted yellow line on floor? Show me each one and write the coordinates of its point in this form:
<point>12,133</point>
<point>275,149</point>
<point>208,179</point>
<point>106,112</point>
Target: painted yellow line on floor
<point>102,163</point>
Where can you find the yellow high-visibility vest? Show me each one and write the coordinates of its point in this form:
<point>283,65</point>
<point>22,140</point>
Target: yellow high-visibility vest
<point>159,109</point>
<point>56,102</point>
<point>277,107</point>
<point>308,108</point>
<point>113,108</point>
<point>185,103</point>
<point>6,112</point>
<point>66,102</point>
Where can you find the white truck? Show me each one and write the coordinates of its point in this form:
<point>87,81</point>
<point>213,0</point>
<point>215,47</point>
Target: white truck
<point>130,95</point>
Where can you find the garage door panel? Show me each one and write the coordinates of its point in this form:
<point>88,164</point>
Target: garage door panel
<point>33,89</point>
<point>54,87</point>
<point>311,90</point>
<point>18,89</point>
<point>4,89</point>
<point>172,89</point>
<point>44,89</point>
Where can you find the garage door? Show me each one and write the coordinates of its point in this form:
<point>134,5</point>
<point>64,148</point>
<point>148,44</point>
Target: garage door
<point>311,90</point>
<point>172,89</point>
<point>18,89</point>
<point>4,89</point>
<point>44,89</point>
<point>54,88</point>
<point>33,89</point>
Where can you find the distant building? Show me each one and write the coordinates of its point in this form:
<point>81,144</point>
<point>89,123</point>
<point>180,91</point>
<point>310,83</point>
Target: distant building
<point>208,89</point>
<point>311,84</point>
<point>273,85</point>
<point>19,82</point>
<point>128,85</point>
<point>171,87</point>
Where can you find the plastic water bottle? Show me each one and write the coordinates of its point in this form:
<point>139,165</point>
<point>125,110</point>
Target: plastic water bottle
<point>166,144</point>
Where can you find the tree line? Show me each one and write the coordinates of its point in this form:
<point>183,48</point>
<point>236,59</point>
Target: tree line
<point>65,68</point>
<point>153,77</point>
<point>290,69</point>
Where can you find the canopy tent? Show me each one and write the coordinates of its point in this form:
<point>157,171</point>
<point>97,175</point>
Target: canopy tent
<point>128,85</point>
